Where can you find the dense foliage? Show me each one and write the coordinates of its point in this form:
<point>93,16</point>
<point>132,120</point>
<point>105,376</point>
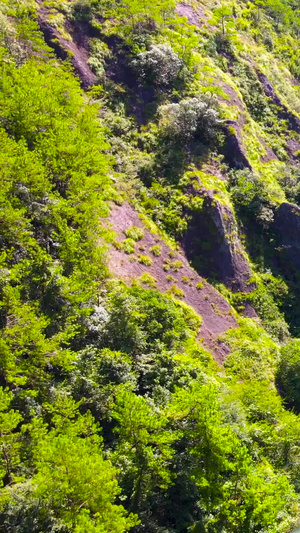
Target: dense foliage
<point>113,417</point>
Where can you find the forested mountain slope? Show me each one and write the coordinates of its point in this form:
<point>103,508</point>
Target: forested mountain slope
<point>149,276</point>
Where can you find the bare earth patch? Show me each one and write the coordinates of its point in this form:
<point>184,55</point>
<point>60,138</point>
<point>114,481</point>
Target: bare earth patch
<point>171,269</point>
<point>195,16</point>
<point>76,50</point>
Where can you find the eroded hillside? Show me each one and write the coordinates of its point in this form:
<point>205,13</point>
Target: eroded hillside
<point>203,124</point>
<point>149,281</point>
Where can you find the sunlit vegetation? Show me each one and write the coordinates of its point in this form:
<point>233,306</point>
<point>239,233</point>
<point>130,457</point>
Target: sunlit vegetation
<point>113,416</point>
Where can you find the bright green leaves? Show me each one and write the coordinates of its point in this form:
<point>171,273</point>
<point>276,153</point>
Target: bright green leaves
<point>23,189</point>
<point>135,18</point>
<point>54,174</point>
<point>289,372</point>
<point>253,353</point>
<point>175,428</point>
<point>142,320</point>
<point>76,482</point>
<point>71,476</point>
<point>224,17</point>
<point>144,448</point>
<point>234,491</point>
<point>10,441</point>
<point>24,349</point>
<point>32,104</point>
<point>20,37</point>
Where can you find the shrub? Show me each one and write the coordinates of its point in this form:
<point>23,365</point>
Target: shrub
<point>82,10</point>
<point>128,246</point>
<point>253,354</point>
<point>251,198</point>
<point>159,66</point>
<point>135,233</point>
<point>190,117</point>
<point>170,278</point>
<point>288,374</point>
<point>148,279</point>
<point>176,265</point>
<point>166,265</point>
<point>145,260</point>
<point>290,182</point>
<point>223,43</point>
<point>99,53</point>
<point>141,319</point>
<point>156,250</point>
<point>176,291</point>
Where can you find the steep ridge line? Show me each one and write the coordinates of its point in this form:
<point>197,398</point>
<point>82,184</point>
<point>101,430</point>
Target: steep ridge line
<point>67,49</point>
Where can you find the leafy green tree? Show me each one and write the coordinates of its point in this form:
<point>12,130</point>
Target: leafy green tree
<point>159,66</point>
<point>135,17</point>
<point>72,479</point>
<point>254,355</point>
<point>10,439</point>
<point>224,16</point>
<point>288,374</point>
<point>144,448</point>
<point>235,494</point>
<point>142,321</point>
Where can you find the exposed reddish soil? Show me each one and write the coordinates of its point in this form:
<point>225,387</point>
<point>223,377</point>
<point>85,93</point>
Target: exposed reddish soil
<point>76,50</point>
<point>216,313</point>
<point>195,16</point>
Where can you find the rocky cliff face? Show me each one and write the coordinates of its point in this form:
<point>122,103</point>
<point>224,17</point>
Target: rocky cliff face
<point>260,131</point>
<point>212,244</point>
<point>287,230</point>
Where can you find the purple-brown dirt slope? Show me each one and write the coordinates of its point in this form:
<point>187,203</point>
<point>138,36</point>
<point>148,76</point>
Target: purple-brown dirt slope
<point>171,271</point>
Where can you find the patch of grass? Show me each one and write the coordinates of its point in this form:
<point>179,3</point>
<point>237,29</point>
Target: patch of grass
<point>118,245</point>
<point>176,265</point>
<point>144,259</point>
<point>166,265</point>
<point>135,233</point>
<point>148,279</point>
<point>156,250</point>
<point>176,291</point>
<point>170,278</point>
<point>128,246</point>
